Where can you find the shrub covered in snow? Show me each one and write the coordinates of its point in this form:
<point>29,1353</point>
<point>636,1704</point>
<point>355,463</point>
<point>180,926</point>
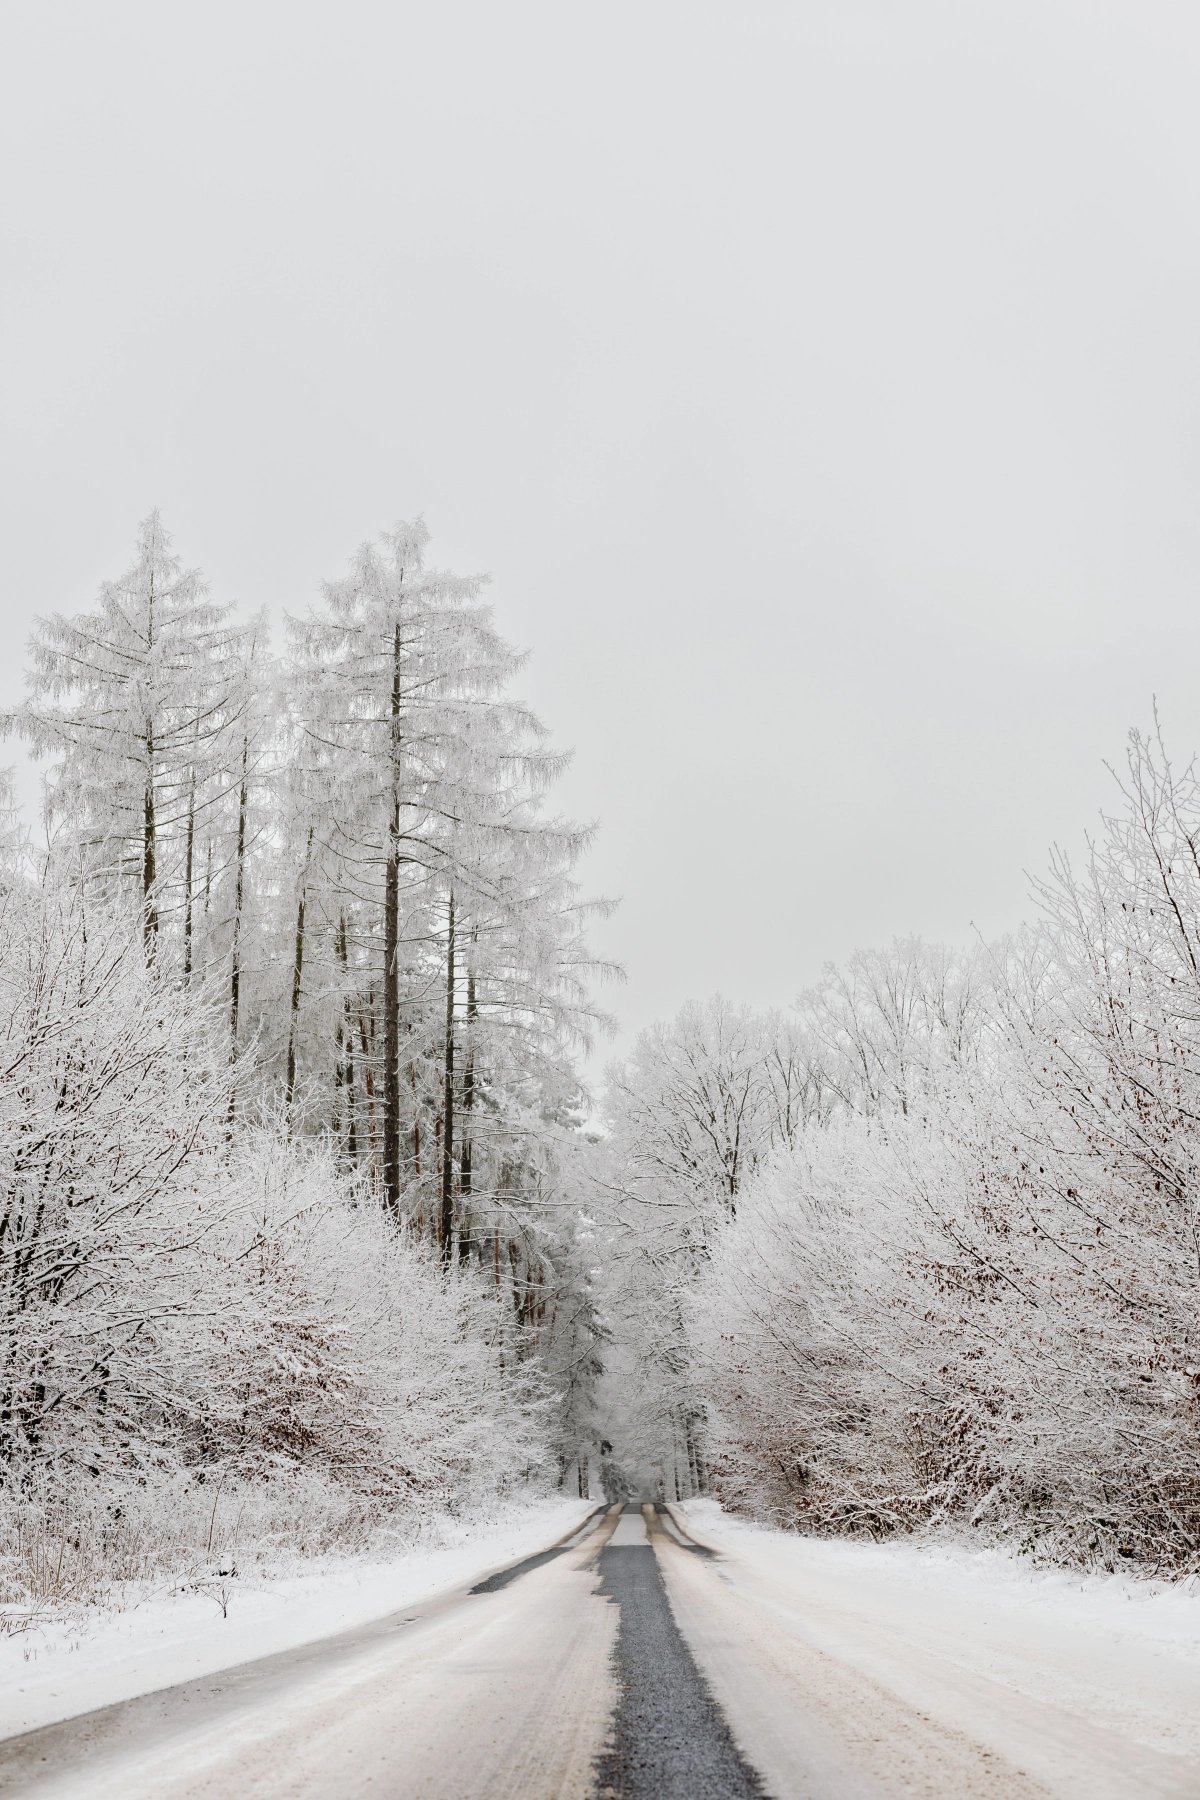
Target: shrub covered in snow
<point>192,1306</point>
<point>984,1304</point>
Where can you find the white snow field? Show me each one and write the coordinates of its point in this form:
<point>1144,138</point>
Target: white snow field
<point>852,1669</point>
<point>56,1671</point>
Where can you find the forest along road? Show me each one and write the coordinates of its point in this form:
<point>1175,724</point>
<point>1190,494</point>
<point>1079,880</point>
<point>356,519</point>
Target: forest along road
<point>631,1661</point>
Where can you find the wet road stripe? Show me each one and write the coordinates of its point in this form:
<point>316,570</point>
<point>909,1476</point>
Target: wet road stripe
<point>669,1739</point>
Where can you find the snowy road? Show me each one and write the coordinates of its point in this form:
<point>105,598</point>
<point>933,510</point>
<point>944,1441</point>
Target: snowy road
<point>568,1677</point>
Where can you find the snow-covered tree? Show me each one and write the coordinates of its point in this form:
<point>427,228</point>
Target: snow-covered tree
<point>173,1312</point>
<point>292,1002</point>
<point>694,1110</point>
<point>446,896</point>
<point>137,704</point>
<point>974,1293</point>
<point>109,1105</point>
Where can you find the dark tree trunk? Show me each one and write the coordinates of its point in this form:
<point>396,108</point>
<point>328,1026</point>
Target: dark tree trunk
<point>499,1296</point>
<point>468,1095</point>
<point>297,972</point>
<point>696,1469</point>
<point>149,847</point>
<point>391,959</point>
<point>339,1082</point>
<point>701,1468</point>
<point>235,961</point>
<point>412,1077</point>
<point>448,1101</point>
<point>346,1033</point>
<point>188,868</point>
<point>369,1082</point>
<point>149,859</point>
<point>239,894</point>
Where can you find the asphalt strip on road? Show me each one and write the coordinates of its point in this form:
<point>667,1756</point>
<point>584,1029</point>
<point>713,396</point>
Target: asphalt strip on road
<point>669,1739</point>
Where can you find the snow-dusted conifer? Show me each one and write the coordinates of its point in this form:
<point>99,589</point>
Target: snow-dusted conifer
<point>136,705</point>
<point>420,772</point>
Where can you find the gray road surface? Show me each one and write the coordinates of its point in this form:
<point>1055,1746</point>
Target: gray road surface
<point>627,1663</point>
<point>669,1739</point>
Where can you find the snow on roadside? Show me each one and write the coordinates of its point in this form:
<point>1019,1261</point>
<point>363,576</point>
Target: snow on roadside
<point>54,1671</point>
<point>1118,1650</point>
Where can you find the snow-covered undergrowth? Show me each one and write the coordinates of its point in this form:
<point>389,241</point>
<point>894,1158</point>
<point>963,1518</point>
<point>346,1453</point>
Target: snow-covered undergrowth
<point>216,1349</point>
<point>65,1565</point>
<point>933,1242</point>
<point>168,1631</point>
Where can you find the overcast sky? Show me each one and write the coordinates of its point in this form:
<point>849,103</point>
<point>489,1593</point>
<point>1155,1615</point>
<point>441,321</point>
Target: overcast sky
<point>820,384</point>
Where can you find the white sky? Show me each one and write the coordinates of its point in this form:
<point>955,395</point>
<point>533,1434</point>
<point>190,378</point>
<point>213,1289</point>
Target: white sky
<point>819,382</point>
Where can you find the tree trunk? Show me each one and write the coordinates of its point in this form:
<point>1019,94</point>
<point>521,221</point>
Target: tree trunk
<point>149,857</point>
<point>149,862</point>
<point>339,1082</point>
<point>701,1468</point>
<point>412,1076</point>
<point>369,1083</point>
<point>235,977</point>
<point>347,1034</point>
<point>391,959</point>
<point>468,1095</point>
<point>499,1297</point>
<point>297,972</point>
<point>448,1100</point>
<point>188,868</point>
<point>696,1470</point>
